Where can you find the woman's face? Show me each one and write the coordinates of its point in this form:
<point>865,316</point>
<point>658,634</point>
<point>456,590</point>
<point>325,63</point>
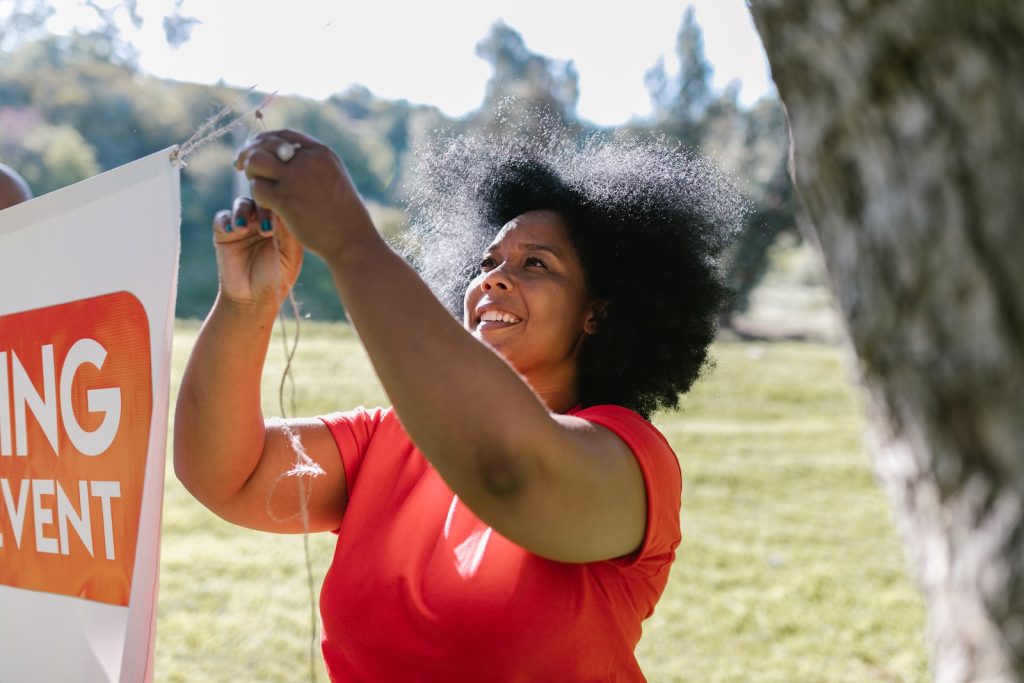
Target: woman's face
<point>529,301</point>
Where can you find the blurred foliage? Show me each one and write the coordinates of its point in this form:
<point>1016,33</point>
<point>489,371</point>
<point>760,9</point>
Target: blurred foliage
<point>522,81</point>
<point>72,106</point>
<point>750,144</point>
<point>22,20</point>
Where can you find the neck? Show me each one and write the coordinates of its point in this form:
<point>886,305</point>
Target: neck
<point>559,394</point>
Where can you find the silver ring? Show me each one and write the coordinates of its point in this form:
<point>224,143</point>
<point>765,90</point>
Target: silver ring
<point>286,150</point>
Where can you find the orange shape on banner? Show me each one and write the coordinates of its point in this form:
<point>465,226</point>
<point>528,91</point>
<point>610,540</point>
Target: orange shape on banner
<point>76,401</point>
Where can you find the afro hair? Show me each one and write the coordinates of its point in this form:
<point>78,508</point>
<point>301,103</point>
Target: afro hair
<point>649,220</point>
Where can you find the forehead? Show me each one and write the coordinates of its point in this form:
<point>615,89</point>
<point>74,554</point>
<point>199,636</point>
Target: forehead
<point>535,227</point>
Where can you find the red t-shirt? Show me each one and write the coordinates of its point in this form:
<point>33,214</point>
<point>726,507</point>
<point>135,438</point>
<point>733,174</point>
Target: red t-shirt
<point>422,590</point>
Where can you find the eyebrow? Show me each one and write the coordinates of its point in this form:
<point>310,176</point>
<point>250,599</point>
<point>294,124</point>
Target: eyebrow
<point>532,246</point>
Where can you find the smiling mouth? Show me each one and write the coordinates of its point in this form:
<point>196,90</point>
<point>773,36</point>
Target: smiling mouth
<point>496,320</point>
<point>500,317</point>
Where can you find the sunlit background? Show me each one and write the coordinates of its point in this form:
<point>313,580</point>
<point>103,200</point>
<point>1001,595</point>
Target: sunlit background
<point>87,85</point>
<point>789,569</point>
<point>423,51</point>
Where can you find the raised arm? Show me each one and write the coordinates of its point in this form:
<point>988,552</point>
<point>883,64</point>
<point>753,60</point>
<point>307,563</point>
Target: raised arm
<point>557,485</point>
<point>224,453</point>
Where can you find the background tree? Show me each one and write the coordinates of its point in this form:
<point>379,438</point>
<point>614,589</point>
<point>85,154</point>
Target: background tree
<point>757,154</point>
<point>178,27</point>
<point>749,143</point>
<point>47,156</point>
<point>73,106</point>
<point>681,102</point>
<point>522,80</point>
<point>908,138</point>
<point>24,20</point>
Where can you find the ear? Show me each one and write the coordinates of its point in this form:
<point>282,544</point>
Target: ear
<point>596,316</point>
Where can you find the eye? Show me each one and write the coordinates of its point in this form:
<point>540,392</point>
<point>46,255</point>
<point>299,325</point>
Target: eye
<point>487,263</point>
<point>534,261</point>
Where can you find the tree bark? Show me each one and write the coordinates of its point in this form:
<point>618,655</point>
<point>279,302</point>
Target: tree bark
<point>907,123</point>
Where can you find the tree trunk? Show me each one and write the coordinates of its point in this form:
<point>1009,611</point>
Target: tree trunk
<point>907,121</point>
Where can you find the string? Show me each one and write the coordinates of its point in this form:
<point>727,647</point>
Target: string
<point>304,468</point>
<point>212,128</point>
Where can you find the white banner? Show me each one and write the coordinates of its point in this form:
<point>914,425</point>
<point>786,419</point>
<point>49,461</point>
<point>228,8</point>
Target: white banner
<point>87,285</point>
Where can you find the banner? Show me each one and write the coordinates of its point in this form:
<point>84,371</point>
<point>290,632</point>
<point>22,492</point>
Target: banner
<point>87,284</point>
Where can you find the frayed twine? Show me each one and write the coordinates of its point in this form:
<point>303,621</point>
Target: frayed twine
<point>215,127</point>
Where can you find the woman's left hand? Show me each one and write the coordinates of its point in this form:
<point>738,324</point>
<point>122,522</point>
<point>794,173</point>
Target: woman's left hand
<point>307,186</point>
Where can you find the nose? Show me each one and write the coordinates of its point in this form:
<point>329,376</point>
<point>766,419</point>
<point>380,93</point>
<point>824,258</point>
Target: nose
<point>497,277</point>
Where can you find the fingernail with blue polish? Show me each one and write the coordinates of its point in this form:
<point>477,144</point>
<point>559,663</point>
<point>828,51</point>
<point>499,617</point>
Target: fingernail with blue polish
<point>266,225</point>
<point>240,222</point>
<point>227,227</point>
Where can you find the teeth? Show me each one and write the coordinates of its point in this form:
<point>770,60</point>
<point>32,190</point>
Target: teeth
<point>498,317</point>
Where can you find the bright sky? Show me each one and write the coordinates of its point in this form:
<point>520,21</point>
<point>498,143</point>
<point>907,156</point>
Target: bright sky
<point>423,51</point>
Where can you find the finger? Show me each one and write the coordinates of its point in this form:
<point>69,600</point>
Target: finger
<point>221,224</point>
<point>261,162</point>
<point>285,135</point>
<point>269,142</point>
<point>265,192</point>
<point>266,222</point>
<point>224,230</point>
<point>282,145</point>
<point>243,214</point>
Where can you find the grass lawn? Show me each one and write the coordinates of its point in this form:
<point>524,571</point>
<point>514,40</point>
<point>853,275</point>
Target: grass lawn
<point>789,570</point>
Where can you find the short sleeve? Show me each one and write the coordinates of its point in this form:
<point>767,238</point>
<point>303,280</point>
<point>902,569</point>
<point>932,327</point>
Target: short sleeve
<point>662,480</point>
<point>352,431</point>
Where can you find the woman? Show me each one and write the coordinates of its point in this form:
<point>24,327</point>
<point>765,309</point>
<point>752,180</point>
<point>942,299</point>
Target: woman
<point>513,516</point>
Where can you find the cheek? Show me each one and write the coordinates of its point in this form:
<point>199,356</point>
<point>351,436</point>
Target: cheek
<point>469,300</point>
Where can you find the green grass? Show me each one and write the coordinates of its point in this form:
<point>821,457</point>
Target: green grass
<point>789,569</point>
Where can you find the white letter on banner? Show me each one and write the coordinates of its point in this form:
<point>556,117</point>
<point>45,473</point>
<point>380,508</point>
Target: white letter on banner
<point>105,490</point>
<point>5,407</point>
<point>40,488</point>
<point>16,512</point>
<point>107,401</point>
<point>66,513</point>
<point>44,407</point>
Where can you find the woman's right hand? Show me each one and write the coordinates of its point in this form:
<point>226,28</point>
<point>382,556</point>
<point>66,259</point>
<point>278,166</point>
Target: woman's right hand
<point>258,259</point>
